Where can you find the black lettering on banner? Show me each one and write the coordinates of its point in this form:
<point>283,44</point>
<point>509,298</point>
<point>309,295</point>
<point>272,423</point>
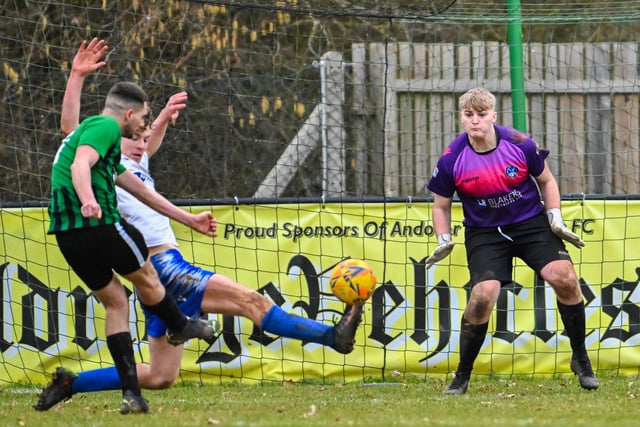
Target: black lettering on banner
<point>443,293</point>
<point>583,226</point>
<point>503,311</point>
<point>540,327</point>
<point>420,334</point>
<point>80,302</point>
<point>39,326</point>
<point>313,287</point>
<point>627,307</point>
<point>386,295</point>
<point>444,317</point>
<point>29,307</point>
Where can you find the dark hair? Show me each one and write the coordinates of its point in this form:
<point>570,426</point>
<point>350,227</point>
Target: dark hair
<point>125,95</point>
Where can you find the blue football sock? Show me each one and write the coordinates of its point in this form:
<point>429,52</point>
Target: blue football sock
<point>97,380</point>
<point>279,322</point>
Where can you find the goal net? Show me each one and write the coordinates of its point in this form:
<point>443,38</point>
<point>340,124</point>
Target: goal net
<point>311,131</point>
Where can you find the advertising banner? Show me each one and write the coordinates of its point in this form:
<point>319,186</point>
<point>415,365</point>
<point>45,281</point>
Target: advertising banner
<point>286,251</point>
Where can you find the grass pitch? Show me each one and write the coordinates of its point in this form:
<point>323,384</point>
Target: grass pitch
<point>491,401</point>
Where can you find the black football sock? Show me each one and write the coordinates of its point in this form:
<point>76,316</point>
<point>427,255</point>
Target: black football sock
<point>471,339</point>
<point>168,311</point>
<point>121,350</point>
<point>574,322</point>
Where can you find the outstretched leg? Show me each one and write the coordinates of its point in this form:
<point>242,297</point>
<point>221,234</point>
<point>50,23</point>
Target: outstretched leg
<point>225,296</point>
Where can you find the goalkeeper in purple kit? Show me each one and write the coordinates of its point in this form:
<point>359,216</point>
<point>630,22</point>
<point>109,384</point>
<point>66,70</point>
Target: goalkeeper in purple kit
<point>511,208</point>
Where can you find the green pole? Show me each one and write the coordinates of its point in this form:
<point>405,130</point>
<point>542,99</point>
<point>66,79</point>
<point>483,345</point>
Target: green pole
<point>516,66</point>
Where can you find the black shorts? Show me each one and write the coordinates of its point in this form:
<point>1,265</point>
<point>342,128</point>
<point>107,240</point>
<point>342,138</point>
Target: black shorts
<point>490,251</point>
<point>94,253</point>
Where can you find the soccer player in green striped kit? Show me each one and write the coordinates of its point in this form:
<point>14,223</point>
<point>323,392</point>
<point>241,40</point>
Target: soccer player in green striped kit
<point>196,289</point>
<point>97,242</point>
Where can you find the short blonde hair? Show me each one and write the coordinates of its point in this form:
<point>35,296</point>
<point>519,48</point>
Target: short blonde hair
<point>479,99</point>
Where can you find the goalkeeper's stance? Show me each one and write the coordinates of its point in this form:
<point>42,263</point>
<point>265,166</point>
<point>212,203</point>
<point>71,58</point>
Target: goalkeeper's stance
<point>500,175</point>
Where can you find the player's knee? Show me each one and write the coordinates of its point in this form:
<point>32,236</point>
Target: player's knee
<point>117,306</point>
<point>559,272</point>
<point>480,310</point>
<point>165,381</point>
<point>566,288</point>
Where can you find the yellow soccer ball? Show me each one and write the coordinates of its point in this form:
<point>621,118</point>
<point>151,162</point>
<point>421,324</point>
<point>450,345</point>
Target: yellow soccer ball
<point>352,281</point>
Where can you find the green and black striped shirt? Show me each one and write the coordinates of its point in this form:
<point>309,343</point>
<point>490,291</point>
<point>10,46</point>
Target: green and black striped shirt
<point>103,134</point>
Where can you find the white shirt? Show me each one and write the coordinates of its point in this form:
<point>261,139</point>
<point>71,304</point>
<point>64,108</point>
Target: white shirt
<point>155,227</point>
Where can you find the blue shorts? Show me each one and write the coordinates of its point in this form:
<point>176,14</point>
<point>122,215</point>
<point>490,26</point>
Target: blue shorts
<point>183,281</point>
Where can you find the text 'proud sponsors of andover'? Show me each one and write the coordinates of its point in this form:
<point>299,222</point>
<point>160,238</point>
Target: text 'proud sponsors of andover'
<point>289,230</point>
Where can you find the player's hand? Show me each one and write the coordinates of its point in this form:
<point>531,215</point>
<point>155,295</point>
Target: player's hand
<point>561,230</point>
<point>176,102</point>
<point>87,59</point>
<point>205,223</point>
<point>445,246</point>
<point>91,210</point>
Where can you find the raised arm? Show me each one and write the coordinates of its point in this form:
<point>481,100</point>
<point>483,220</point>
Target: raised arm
<point>170,112</point>
<point>86,61</point>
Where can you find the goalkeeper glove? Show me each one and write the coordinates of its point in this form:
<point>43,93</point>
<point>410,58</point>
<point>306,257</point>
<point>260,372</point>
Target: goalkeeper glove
<point>561,230</point>
<point>445,246</point>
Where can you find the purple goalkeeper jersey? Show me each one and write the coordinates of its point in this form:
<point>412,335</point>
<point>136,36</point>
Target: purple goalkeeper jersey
<point>496,188</point>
